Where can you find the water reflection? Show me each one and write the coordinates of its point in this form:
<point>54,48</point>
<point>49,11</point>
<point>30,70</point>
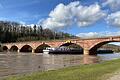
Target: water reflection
<point>25,63</point>
<point>90,59</point>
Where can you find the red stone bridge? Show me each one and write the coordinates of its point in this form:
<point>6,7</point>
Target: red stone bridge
<point>89,46</point>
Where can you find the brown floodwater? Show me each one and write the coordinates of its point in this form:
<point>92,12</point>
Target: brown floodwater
<point>14,63</point>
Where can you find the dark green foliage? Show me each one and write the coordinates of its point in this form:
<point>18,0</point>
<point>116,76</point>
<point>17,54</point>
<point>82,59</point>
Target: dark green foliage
<point>14,32</point>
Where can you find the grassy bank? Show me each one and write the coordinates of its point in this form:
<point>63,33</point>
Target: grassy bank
<point>82,72</point>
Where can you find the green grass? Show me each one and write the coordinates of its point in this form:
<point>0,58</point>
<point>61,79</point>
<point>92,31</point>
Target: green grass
<point>82,72</point>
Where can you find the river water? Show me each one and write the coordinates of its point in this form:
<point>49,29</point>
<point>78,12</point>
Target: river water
<point>19,63</point>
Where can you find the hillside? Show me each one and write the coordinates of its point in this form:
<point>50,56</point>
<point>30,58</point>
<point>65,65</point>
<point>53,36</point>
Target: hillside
<point>112,47</point>
<point>16,32</point>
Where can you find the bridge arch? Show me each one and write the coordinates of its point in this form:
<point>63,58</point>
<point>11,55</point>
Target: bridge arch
<point>93,49</point>
<point>14,48</point>
<point>71,45</point>
<point>5,48</point>
<point>26,48</point>
<point>78,49</point>
<point>40,48</point>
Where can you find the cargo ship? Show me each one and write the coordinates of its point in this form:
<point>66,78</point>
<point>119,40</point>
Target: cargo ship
<point>62,50</point>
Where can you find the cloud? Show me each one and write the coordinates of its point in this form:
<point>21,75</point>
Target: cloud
<point>31,25</point>
<point>60,17</point>
<point>22,22</point>
<point>88,35</point>
<point>64,16</point>
<point>98,34</point>
<point>113,19</point>
<point>87,15</point>
<point>113,4</point>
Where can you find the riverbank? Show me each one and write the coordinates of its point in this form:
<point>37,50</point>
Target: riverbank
<point>115,76</point>
<point>100,71</point>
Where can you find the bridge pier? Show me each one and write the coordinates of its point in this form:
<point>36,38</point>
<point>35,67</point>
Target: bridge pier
<point>18,50</point>
<point>86,51</point>
<point>89,56</point>
<point>90,52</point>
<point>33,50</point>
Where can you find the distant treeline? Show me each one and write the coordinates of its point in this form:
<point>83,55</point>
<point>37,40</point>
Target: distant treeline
<point>114,48</point>
<point>15,32</point>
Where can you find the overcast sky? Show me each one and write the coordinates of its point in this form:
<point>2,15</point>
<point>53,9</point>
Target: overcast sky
<point>84,18</point>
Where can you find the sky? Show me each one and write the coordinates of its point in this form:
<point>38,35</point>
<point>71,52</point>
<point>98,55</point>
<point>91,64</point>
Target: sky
<point>84,18</point>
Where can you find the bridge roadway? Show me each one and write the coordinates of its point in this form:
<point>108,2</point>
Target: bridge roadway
<point>89,46</point>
